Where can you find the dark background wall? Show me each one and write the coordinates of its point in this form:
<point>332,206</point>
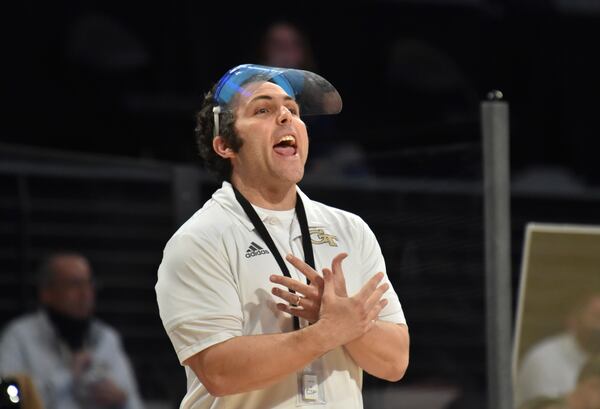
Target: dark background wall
<point>126,77</point>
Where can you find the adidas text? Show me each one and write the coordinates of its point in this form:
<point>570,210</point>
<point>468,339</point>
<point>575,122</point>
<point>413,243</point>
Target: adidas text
<point>256,253</point>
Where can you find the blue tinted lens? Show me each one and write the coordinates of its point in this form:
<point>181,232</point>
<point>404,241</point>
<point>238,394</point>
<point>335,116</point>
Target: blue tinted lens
<point>283,82</point>
<point>314,94</point>
<point>233,81</point>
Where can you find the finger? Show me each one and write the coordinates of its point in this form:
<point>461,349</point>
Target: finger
<point>304,268</point>
<point>292,284</point>
<point>340,285</point>
<point>336,267</point>
<point>291,298</point>
<point>369,287</point>
<point>376,295</point>
<point>295,311</point>
<point>304,308</point>
<point>328,284</point>
<point>374,313</point>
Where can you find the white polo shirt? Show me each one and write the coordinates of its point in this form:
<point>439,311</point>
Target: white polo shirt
<point>213,285</point>
<point>550,368</point>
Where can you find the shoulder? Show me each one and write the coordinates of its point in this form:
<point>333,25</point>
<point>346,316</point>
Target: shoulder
<point>105,332</point>
<point>211,219</point>
<point>547,350</point>
<point>329,214</point>
<point>201,244</point>
<point>207,226</point>
<point>342,223</point>
<point>22,325</point>
<point>348,227</point>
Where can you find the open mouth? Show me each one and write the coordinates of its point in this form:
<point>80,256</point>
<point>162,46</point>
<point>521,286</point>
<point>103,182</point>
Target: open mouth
<point>286,146</point>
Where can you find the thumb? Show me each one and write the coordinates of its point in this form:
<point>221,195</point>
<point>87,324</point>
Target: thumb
<point>338,273</point>
<point>328,284</point>
<point>336,264</point>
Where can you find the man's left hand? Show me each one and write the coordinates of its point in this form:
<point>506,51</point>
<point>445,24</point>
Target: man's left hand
<point>305,302</point>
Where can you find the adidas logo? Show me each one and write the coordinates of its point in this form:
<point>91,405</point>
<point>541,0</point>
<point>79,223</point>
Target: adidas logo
<point>255,250</point>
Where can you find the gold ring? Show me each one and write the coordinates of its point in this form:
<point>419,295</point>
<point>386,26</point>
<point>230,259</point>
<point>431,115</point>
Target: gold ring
<point>299,300</point>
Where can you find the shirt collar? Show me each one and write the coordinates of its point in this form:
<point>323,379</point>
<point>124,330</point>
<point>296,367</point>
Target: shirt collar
<point>226,198</point>
<point>50,332</point>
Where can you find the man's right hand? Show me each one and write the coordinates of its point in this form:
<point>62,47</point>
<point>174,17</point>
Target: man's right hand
<point>343,319</point>
<point>80,363</point>
<point>106,393</point>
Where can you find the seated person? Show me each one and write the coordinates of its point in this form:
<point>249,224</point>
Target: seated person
<point>551,368</point>
<point>586,394</point>
<point>75,360</point>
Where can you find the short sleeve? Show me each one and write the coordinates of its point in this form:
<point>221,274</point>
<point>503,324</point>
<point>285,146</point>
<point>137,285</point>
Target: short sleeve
<point>11,354</point>
<point>197,294</point>
<point>372,263</point>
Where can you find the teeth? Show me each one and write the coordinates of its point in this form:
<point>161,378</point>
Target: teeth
<point>287,138</point>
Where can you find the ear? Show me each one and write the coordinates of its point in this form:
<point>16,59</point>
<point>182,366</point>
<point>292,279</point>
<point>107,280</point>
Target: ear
<point>221,148</point>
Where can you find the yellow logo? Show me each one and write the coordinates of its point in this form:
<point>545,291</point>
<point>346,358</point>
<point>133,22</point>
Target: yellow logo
<point>318,236</point>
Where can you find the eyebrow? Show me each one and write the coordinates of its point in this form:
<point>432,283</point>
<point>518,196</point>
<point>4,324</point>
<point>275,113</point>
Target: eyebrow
<point>270,98</point>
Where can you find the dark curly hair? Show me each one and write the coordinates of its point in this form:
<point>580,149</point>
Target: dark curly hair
<point>204,136</point>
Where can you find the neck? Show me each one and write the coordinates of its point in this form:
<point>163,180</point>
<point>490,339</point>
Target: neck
<point>71,330</point>
<point>281,197</point>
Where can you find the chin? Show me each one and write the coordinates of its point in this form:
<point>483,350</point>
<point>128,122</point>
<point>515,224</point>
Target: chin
<point>291,175</point>
<point>297,177</point>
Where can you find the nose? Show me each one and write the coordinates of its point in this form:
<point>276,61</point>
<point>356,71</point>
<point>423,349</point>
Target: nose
<point>284,116</point>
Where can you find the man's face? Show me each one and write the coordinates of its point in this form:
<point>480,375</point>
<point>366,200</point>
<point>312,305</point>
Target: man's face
<point>284,47</point>
<point>275,141</point>
<point>587,326</point>
<point>71,290</point>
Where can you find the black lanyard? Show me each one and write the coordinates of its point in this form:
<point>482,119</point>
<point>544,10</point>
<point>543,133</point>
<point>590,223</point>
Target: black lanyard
<point>264,234</point>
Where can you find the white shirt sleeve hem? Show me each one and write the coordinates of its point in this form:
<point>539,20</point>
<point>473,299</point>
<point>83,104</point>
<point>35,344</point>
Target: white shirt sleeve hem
<point>193,349</point>
<point>395,318</point>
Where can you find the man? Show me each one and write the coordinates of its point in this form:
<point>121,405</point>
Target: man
<point>75,360</point>
<point>586,394</point>
<point>254,324</point>
<point>551,367</point>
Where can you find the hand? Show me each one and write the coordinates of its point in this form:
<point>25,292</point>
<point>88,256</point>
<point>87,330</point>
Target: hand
<point>80,362</point>
<point>305,302</point>
<point>586,395</point>
<point>107,393</point>
<point>344,319</point>
<point>338,275</point>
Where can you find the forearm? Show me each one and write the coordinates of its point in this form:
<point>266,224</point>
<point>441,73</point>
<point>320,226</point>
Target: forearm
<point>253,362</point>
<point>382,351</point>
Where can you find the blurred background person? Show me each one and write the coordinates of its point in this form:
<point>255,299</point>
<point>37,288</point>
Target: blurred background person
<point>75,360</point>
<point>286,45</point>
<point>551,367</point>
<point>586,394</point>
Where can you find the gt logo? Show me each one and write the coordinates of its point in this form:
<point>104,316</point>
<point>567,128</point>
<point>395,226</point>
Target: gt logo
<point>318,236</point>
